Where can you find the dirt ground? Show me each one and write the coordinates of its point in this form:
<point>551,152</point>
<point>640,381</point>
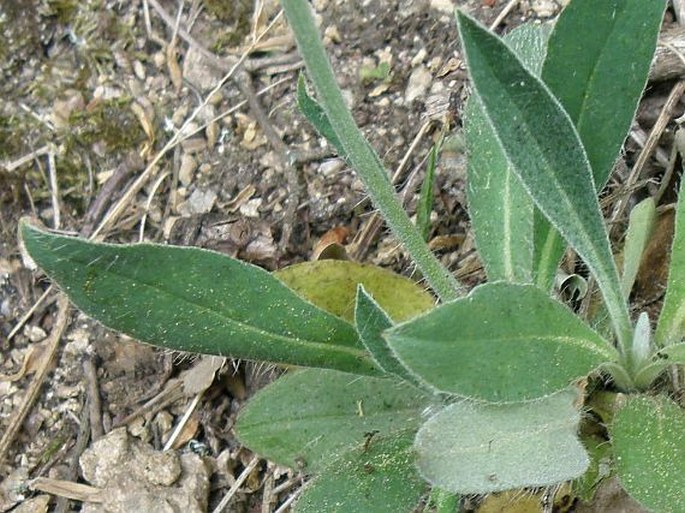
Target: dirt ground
<point>116,123</point>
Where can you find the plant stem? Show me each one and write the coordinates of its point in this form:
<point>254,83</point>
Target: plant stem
<point>360,154</point>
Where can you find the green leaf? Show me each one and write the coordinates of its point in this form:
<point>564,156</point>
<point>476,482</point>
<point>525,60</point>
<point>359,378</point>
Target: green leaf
<point>370,321</point>
<point>648,435</point>
<point>545,151</point>
<point>673,354</point>
<point>332,285</point>
<point>503,342</point>
<point>671,326</point>
<point>591,45</point>
<point>308,418</point>
<point>587,50</point>
<point>377,476</point>
<point>316,116</point>
<point>640,229</point>
<point>424,205</point>
<point>500,209</point>
<point>190,299</point>
<point>482,448</point>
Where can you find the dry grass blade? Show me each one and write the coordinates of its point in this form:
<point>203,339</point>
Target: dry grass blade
<point>20,413</point>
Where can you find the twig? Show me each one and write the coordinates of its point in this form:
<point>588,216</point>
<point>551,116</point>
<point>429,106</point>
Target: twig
<point>54,189</point>
<point>289,501</point>
<point>505,12</point>
<point>651,143</point>
<point>94,403</point>
<point>82,440</point>
<point>148,204</point>
<point>127,167</point>
<point>238,483</point>
<point>28,314</point>
<point>29,157</point>
<point>20,413</point>
<point>184,420</point>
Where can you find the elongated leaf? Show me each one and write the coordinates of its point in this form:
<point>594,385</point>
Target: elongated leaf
<point>482,448</point>
<point>501,210</point>
<point>195,300</point>
<point>671,326</point>
<point>640,228</point>
<point>370,321</point>
<point>316,116</point>
<point>503,342</point>
<point>308,418</point>
<point>648,435</point>
<point>332,285</point>
<point>587,50</point>
<point>376,476</point>
<point>545,151</point>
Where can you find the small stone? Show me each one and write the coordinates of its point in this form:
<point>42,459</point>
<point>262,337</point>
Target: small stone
<point>419,80</point>
<point>34,333</point>
<point>544,8</point>
<point>187,169</point>
<point>199,202</point>
<point>198,70</point>
<point>251,208</point>
<point>331,167</point>
<point>139,69</point>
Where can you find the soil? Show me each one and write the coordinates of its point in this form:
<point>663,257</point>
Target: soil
<point>92,92</point>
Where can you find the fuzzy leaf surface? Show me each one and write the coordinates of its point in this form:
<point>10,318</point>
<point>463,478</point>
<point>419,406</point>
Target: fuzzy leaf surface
<point>593,43</point>
<point>378,476</point>
<point>370,321</point>
<point>590,47</point>
<point>190,299</point>
<point>671,326</point>
<point>546,153</point>
<point>482,448</point>
<point>648,435</point>
<point>310,417</point>
<point>316,116</point>
<point>640,229</point>
<point>503,342</point>
<point>500,209</point>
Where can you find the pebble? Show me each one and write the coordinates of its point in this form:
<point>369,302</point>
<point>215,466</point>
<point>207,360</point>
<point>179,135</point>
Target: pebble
<point>419,80</point>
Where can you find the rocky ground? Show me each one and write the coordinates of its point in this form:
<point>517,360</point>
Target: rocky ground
<point>129,121</point>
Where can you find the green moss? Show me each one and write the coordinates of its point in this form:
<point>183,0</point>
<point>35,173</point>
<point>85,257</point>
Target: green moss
<point>63,10</point>
<point>110,122</point>
<point>236,15</point>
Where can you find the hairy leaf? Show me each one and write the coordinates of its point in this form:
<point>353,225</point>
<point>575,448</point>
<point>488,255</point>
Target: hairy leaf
<point>316,116</point>
<point>195,300</point>
<point>503,342</point>
<point>648,435</point>
<point>500,209</point>
<point>376,476</point>
<point>671,326</point>
<point>545,151</point>
<point>310,417</point>
<point>370,321</point>
<point>588,49</point>
<point>482,448</point>
<point>591,45</point>
<point>640,228</point>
